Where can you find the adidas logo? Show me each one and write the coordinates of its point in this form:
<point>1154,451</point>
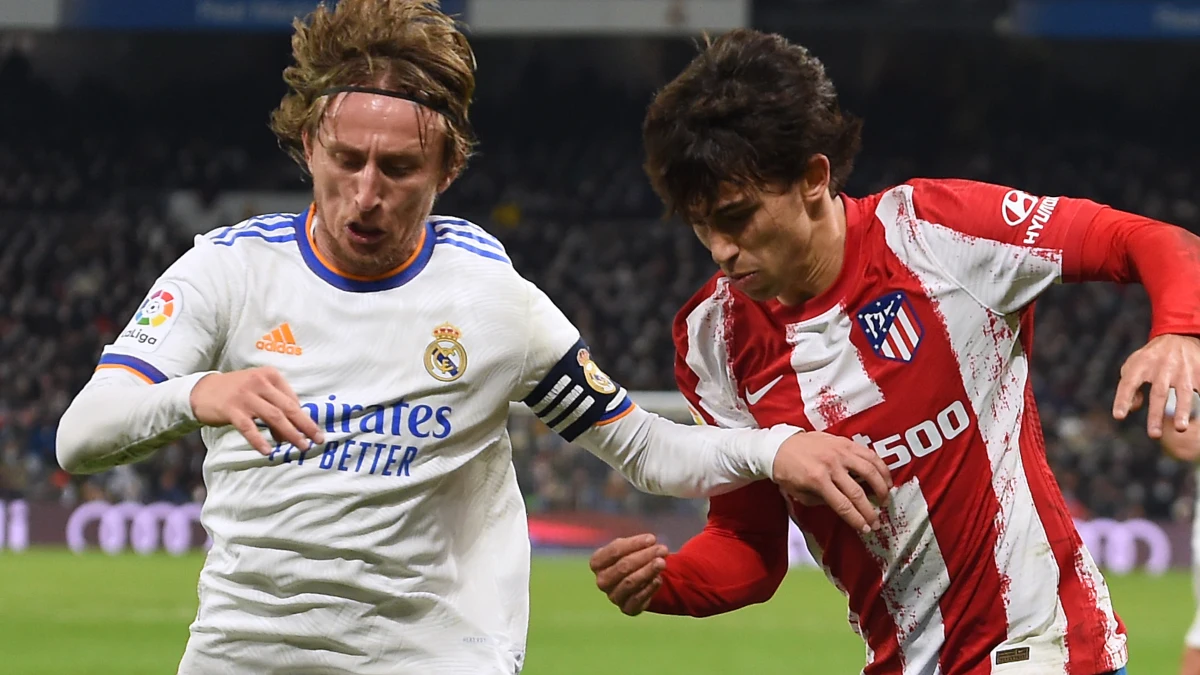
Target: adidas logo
<point>280,341</point>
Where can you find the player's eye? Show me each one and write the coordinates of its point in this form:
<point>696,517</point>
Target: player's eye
<point>733,221</point>
<point>348,160</point>
<point>397,169</point>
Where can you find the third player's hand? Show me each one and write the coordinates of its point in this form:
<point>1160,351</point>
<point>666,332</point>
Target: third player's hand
<point>244,396</point>
<point>814,465</point>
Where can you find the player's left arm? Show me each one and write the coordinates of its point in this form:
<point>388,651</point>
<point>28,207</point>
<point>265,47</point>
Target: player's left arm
<point>1005,247</point>
<point>565,388</point>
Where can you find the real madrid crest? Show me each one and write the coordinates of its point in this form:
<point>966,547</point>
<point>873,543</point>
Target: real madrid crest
<point>445,357</point>
<point>594,375</point>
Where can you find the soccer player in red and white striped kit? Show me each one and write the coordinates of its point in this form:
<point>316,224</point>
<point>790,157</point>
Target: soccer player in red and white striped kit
<point>902,320</point>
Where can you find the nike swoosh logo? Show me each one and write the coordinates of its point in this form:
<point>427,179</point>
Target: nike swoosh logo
<point>755,397</point>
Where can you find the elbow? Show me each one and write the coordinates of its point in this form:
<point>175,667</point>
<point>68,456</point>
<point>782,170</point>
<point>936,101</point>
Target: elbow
<point>69,444</point>
<point>75,442</point>
<point>776,570</point>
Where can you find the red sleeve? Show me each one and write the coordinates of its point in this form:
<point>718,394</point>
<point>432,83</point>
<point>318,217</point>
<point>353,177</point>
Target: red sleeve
<point>739,559</point>
<point>1125,248</point>
<point>1038,240</point>
<point>741,556</point>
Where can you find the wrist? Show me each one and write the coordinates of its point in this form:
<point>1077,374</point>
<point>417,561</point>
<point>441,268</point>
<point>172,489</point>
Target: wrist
<point>774,437</point>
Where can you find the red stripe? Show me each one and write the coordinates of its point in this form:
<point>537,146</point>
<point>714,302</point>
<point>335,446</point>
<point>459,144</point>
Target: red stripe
<point>957,487</point>
<point>861,579</point>
<point>1087,630</point>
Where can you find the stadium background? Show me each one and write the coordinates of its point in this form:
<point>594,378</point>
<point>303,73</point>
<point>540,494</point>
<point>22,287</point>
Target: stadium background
<point>128,126</point>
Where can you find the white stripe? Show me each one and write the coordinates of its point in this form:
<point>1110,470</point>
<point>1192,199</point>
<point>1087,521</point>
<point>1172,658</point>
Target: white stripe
<point>551,395</point>
<point>564,405</point>
<point>575,415</point>
<point>993,370</point>
<point>897,339</point>
<point>617,400</point>
<point>834,383</point>
<point>1003,277</point>
<point>909,329</point>
<point>708,330</point>
<point>887,350</point>
<point>911,589</point>
<point>1115,644</point>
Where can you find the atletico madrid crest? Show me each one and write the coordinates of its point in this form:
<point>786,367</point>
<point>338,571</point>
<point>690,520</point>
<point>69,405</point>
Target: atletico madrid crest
<point>892,327</point>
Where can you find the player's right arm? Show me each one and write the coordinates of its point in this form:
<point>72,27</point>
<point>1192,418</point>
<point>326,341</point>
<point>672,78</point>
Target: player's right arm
<point>157,381</point>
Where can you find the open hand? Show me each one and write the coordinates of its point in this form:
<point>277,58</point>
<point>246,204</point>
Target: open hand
<point>816,466</point>
<point>1166,361</point>
<point>243,396</point>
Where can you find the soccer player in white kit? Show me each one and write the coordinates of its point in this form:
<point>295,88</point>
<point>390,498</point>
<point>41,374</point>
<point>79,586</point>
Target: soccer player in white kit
<point>1185,445</point>
<point>377,526</point>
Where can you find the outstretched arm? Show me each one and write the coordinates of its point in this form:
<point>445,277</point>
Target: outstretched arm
<point>565,388</point>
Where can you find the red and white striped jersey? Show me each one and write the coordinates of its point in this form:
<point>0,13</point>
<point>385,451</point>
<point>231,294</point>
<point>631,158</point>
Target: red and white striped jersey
<point>920,351</point>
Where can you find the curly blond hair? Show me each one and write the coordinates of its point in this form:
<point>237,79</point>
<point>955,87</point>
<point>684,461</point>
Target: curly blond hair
<point>406,46</point>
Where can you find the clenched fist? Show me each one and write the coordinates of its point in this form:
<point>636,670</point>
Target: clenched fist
<point>628,571</point>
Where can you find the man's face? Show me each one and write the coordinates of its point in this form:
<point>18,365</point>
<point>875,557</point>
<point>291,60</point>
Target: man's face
<point>760,238</point>
<point>374,182</point>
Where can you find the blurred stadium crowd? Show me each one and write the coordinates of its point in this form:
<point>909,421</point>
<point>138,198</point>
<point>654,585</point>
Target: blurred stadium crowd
<point>86,170</point>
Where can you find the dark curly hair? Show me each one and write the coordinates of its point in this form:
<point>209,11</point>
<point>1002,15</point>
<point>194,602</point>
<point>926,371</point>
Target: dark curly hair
<point>749,111</point>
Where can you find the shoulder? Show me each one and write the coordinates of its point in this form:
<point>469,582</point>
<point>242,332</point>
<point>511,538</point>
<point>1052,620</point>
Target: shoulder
<point>234,245</point>
<point>461,237</point>
<point>271,228</point>
<point>940,200</point>
<point>223,256</point>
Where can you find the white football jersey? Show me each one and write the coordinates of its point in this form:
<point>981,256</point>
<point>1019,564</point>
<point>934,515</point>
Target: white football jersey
<point>399,545</point>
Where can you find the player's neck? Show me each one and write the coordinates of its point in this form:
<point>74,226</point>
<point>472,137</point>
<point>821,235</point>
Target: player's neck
<point>826,255</point>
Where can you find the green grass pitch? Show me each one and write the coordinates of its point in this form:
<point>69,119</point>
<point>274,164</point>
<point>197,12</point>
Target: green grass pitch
<point>64,614</point>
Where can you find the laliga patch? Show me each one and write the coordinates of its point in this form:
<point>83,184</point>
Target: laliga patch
<point>153,319</point>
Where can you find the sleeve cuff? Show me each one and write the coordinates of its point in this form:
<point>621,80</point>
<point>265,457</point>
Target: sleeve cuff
<point>763,457</point>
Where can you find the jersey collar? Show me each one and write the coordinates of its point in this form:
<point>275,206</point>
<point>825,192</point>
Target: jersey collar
<point>324,268</point>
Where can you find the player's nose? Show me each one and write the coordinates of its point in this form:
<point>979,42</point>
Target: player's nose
<point>723,249</point>
<point>368,188</point>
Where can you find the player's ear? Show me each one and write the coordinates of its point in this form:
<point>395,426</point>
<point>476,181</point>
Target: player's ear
<point>307,139</point>
<point>815,183</point>
<point>449,175</point>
